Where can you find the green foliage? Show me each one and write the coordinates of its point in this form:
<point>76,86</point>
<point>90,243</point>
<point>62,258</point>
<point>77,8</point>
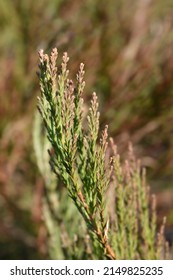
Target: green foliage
<point>129,58</point>
<point>89,167</point>
<point>59,213</point>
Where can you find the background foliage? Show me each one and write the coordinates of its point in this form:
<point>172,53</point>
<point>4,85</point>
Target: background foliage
<point>129,62</point>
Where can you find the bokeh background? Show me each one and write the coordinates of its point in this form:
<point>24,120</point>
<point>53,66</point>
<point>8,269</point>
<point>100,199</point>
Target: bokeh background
<point>127,49</point>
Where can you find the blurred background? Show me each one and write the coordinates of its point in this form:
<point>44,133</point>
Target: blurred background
<point>127,49</point>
